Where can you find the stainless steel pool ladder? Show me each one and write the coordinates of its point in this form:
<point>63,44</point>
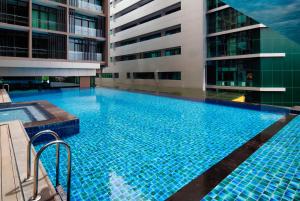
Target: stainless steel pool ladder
<point>35,177</point>
<point>6,85</point>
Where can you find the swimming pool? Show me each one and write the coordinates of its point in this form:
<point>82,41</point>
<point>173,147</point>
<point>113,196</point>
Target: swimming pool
<point>141,147</point>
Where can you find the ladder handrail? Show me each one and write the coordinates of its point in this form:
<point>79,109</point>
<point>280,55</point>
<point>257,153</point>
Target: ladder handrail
<point>36,168</point>
<point>45,132</point>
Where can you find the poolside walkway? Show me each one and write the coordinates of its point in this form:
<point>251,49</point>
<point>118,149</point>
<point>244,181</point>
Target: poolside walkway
<point>271,173</point>
<point>13,143</point>
<point>4,97</point>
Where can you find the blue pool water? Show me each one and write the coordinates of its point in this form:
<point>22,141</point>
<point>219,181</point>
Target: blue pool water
<point>15,114</point>
<point>142,147</point>
<point>271,173</point>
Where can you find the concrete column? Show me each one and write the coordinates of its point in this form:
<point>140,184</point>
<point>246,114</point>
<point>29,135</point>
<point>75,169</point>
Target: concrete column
<point>30,30</point>
<point>67,27</point>
<point>107,31</point>
<point>85,82</point>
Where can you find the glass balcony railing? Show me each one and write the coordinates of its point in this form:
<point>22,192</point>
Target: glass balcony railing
<point>60,1</point>
<point>98,56</point>
<point>86,5</point>
<point>13,19</point>
<point>46,24</point>
<point>235,83</point>
<point>48,54</point>
<point>87,31</point>
<point>84,56</point>
<point>13,51</point>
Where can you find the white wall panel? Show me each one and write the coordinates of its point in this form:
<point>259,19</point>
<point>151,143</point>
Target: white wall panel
<point>145,46</point>
<point>148,27</point>
<point>145,10</point>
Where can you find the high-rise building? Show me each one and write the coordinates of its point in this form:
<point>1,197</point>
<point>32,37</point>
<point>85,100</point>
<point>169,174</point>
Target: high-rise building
<point>245,55</point>
<point>157,42</point>
<point>50,38</point>
<point>202,44</point>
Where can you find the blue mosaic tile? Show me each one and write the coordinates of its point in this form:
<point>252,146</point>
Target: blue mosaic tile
<point>66,128</point>
<point>141,147</point>
<point>271,173</point>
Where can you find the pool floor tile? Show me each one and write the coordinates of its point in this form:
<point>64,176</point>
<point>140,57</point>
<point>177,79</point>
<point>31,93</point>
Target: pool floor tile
<point>142,147</point>
<point>271,173</point>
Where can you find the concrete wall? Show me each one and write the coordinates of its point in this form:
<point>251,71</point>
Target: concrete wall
<point>36,67</point>
<point>85,82</point>
<point>191,62</point>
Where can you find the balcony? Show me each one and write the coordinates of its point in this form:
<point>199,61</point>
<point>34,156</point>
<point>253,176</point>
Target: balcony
<point>85,31</point>
<point>14,12</point>
<point>13,51</point>
<point>60,1</point>
<point>48,18</point>
<point>13,43</point>
<point>86,5</point>
<point>84,56</point>
<point>49,46</point>
<point>49,25</point>
<point>13,19</point>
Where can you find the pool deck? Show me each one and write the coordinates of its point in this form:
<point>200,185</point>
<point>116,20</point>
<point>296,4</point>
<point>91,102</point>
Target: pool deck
<point>13,145</point>
<point>4,97</point>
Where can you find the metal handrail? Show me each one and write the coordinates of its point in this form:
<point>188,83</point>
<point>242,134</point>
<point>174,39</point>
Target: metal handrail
<point>46,132</point>
<point>36,169</point>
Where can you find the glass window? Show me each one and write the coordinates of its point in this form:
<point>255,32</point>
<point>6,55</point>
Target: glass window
<point>107,75</point>
<point>35,17</point>
<point>227,19</point>
<point>85,23</point>
<point>144,75</point>
<point>52,21</point>
<point>46,18</point>
<point>240,43</point>
<point>152,54</point>
<point>116,75</point>
<point>43,20</point>
<point>77,22</point>
<point>173,51</point>
<point>169,75</point>
<point>244,73</point>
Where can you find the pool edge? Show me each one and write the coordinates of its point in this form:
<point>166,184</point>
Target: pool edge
<point>251,106</point>
<point>207,181</point>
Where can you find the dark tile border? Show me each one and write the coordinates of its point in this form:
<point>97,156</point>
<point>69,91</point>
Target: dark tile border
<point>251,106</point>
<point>203,184</point>
<point>53,113</point>
<point>58,120</point>
<point>295,110</point>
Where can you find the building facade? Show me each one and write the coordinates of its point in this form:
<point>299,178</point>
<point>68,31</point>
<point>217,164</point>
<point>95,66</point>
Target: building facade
<point>205,45</point>
<point>245,55</point>
<point>64,38</point>
<point>155,42</point>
